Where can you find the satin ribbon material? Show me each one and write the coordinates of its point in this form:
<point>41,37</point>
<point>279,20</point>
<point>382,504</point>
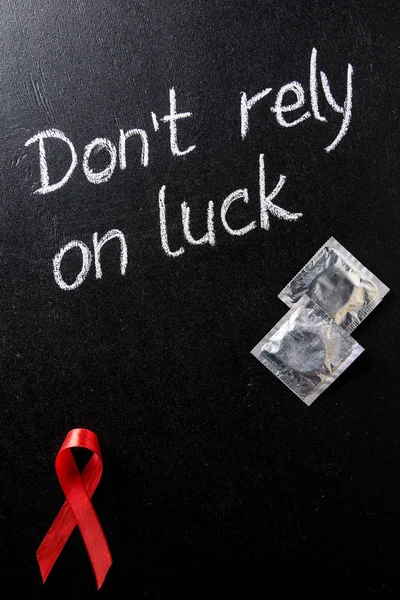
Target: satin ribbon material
<point>77,508</point>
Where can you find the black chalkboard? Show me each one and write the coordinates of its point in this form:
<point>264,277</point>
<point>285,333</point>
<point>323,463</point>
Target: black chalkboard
<point>217,479</point>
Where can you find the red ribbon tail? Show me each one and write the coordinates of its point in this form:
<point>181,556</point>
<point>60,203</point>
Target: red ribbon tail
<point>55,540</point>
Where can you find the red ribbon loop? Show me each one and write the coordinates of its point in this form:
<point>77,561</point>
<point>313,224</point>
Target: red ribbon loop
<point>77,509</point>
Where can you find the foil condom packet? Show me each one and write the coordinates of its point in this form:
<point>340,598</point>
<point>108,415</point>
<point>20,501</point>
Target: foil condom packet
<point>339,283</point>
<point>307,350</point>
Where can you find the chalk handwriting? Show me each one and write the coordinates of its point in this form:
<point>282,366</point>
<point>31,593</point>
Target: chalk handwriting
<point>347,106</point>
<point>163,226</point>
<point>237,195</point>
<point>292,104</point>
<point>280,109</point>
<point>106,174</point>
<point>86,262</point>
<point>87,258</point>
<point>266,207</point>
<point>44,173</point>
<point>172,118</point>
<point>208,237</point>
<point>246,105</point>
<point>123,136</point>
<point>266,204</point>
<point>97,246</point>
<point>97,177</point>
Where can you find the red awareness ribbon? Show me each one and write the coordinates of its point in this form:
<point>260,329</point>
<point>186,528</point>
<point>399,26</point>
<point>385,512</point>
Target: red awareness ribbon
<point>77,509</point>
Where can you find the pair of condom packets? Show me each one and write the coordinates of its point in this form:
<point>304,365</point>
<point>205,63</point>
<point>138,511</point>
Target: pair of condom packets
<point>311,345</point>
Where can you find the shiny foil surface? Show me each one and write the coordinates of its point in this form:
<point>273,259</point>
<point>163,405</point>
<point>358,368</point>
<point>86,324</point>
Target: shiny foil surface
<point>307,350</point>
<point>337,282</point>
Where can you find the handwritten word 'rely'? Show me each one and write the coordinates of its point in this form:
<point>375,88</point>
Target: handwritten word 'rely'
<point>295,88</point>
<point>266,208</point>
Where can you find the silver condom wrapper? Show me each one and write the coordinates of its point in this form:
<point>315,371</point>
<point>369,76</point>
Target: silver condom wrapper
<point>339,283</point>
<point>307,350</point>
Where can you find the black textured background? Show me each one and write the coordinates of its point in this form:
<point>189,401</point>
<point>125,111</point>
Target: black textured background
<point>217,479</point>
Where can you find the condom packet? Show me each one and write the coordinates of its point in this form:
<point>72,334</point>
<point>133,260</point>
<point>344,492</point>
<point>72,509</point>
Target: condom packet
<point>339,283</point>
<point>307,350</point>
